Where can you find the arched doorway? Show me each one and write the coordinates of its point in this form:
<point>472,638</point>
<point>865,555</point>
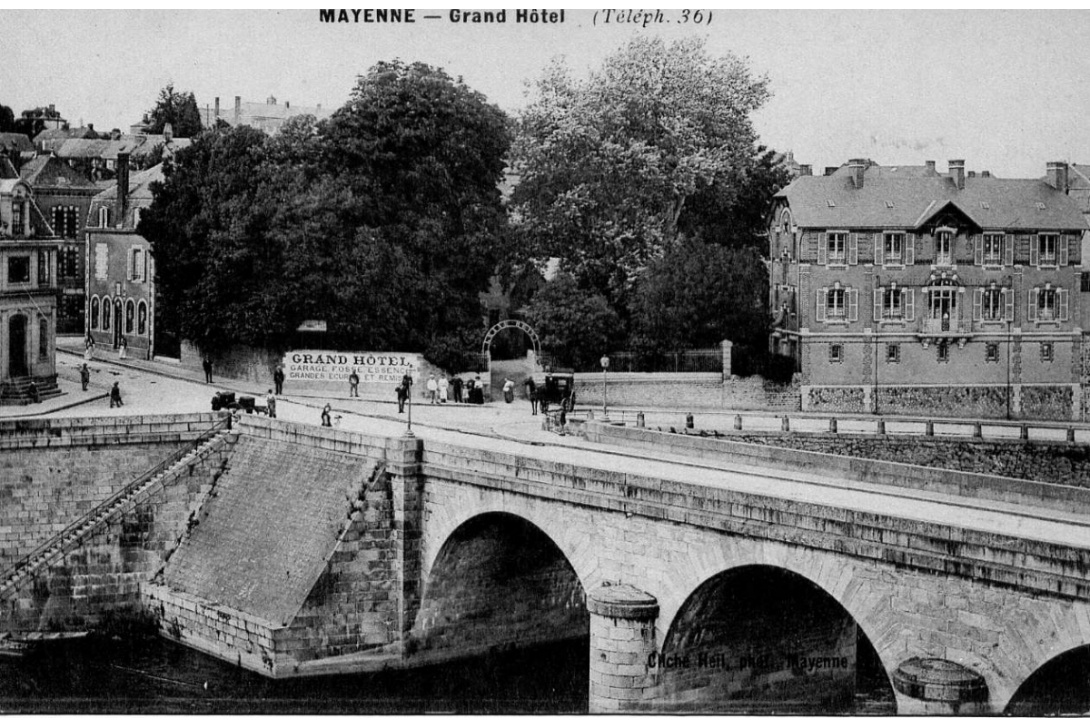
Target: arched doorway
<point>516,361</point>
<point>1060,686</point>
<point>501,587</point>
<point>762,639</point>
<point>17,346</point>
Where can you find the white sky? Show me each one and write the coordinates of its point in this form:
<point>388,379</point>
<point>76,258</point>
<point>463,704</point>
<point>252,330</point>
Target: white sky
<point>1005,90</point>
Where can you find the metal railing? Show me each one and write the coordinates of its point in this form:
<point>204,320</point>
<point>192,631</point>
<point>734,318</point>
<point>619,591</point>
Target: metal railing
<point>12,573</point>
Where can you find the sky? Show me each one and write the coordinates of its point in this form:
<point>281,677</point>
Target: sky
<point>1005,90</point>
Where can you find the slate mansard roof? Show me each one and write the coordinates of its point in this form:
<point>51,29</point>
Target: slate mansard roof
<point>908,197</point>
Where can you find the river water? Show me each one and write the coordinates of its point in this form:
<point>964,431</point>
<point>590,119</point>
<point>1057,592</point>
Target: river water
<point>98,675</point>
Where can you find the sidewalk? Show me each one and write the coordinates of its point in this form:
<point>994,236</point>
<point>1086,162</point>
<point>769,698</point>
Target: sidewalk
<point>71,395</point>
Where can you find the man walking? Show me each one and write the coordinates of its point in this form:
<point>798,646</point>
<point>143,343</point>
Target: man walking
<point>531,393</point>
<point>278,379</point>
<point>207,364</point>
<point>353,384</point>
<point>433,388</point>
<point>84,376</point>
<point>115,395</point>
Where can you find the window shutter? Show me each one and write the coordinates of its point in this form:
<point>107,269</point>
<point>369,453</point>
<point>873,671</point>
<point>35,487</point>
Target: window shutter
<point>962,312</point>
<point>1008,250</point>
<point>821,297</point>
<point>910,249</point>
<point>1062,295</point>
<point>879,250</point>
<point>1031,305</point>
<point>1034,250</point>
<point>853,304</point>
<point>909,302</point>
<point>823,249</point>
<point>1064,243</point>
<point>978,250</point>
<point>1008,305</point>
<point>853,249</point>
<point>879,293</point>
<point>978,304</point>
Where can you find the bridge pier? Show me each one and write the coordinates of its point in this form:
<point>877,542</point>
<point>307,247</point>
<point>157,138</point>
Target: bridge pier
<point>622,648</point>
<point>939,686</point>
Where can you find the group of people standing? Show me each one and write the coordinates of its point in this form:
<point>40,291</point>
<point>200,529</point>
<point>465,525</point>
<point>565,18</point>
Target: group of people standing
<point>440,390</point>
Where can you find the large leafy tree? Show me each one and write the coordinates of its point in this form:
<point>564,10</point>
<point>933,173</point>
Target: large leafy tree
<point>385,221</point>
<point>575,326</point>
<point>608,165</point>
<point>177,108</point>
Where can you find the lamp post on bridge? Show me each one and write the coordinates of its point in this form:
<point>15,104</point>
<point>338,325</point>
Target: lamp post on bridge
<point>605,386</point>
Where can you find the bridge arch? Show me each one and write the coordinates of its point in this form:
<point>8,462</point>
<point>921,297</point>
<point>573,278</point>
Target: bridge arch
<point>1056,687</point>
<point>761,634</point>
<point>497,581</point>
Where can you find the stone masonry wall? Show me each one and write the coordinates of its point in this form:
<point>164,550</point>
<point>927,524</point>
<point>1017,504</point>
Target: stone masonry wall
<point>691,391</point>
<point>1055,463</point>
<point>54,471</point>
<point>107,567</point>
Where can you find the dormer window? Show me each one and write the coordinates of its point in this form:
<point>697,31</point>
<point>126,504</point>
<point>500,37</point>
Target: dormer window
<point>17,220</point>
<point>944,246</point>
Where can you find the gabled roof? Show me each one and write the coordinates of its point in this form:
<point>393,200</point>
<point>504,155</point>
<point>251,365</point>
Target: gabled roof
<point>136,146</point>
<point>907,197</point>
<point>21,142</point>
<point>49,171</point>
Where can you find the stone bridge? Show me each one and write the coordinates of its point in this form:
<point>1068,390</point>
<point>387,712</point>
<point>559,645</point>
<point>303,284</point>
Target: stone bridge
<point>706,575</point>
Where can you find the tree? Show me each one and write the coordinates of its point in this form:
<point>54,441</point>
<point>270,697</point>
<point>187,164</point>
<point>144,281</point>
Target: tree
<point>7,119</point>
<point>385,220</point>
<point>177,109</point>
<point>574,325</point>
<point>608,165</point>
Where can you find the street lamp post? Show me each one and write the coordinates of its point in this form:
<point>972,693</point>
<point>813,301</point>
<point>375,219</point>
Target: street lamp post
<point>605,386</point>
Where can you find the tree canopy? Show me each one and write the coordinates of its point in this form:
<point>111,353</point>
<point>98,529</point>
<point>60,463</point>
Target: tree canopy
<point>608,165</point>
<point>179,109</point>
<point>385,220</point>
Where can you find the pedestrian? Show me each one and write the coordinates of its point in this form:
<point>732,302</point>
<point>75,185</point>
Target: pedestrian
<point>531,393</point>
<point>508,390</point>
<point>456,384</point>
<point>444,385</point>
<point>278,379</point>
<point>84,375</point>
<point>32,390</point>
<point>433,388</point>
<point>207,364</point>
<point>478,391</point>
<point>89,348</point>
<point>115,395</point>
<point>270,402</point>
<point>326,417</point>
<point>401,397</point>
<point>121,348</point>
<point>354,384</point>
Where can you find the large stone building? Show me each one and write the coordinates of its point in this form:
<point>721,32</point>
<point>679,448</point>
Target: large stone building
<point>903,289</point>
<point>268,116</point>
<point>28,295</point>
<point>64,197</point>
<point>120,268</point>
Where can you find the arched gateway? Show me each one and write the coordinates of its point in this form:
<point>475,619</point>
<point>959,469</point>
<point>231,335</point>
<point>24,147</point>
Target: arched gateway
<point>511,323</point>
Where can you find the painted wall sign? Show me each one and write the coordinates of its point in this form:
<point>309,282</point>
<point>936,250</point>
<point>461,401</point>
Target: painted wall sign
<point>336,366</point>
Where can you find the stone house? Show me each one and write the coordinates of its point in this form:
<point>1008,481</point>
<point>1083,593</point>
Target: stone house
<point>28,295</point>
<point>900,289</point>
<point>268,116</point>
<point>120,269</point>
<point>64,197</point>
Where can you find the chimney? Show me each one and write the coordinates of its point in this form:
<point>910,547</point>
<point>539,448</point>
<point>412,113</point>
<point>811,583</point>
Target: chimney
<point>830,171</point>
<point>122,186</point>
<point>930,166</point>
<point>214,118</point>
<point>238,109</point>
<point>805,170</point>
<point>857,166</point>
<point>168,132</point>
<point>1057,175</point>
<point>957,172</point>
